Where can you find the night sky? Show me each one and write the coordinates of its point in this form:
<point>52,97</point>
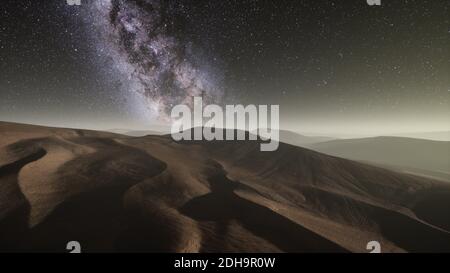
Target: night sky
<point>335,67</point>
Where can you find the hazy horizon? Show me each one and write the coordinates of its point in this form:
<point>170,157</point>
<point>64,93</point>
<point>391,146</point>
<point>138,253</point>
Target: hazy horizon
<point>443,135</point>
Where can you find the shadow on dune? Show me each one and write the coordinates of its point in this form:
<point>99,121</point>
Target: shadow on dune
<point>147,231</point>
<point>14,220</point>
<point>411,234</point>
<point>406,232</point>
<point>95,216</point>
<point>435,208</point>
<point>222,205</point>
<point>92,218</point>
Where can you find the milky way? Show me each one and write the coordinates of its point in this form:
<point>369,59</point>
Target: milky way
<point>153,58</point>
<point>333,66</point>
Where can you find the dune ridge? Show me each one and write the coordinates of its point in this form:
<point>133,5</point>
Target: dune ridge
<point>116,193</point>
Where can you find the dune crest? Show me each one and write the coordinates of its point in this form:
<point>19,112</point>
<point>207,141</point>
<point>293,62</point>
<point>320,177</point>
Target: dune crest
<point>151,194</point>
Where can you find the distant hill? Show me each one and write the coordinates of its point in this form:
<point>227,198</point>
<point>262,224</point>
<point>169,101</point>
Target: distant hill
<point>300,140</point>
<point>143,133</point>
<point>407,154</point>
<point>296,139</point>
<point>438,136</point>
<point>287,137</point>
<point>138,133</point>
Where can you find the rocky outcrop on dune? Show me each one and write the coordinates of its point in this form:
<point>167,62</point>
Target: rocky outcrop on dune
<point>118,193</point>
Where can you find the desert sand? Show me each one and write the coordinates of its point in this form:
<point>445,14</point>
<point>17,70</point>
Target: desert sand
<point>116,193</point>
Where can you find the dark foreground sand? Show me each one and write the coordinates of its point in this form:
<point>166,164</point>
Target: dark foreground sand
<point>116,193</point>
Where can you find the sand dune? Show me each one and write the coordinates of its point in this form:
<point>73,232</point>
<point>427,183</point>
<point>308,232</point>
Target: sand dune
<point>117,193</point>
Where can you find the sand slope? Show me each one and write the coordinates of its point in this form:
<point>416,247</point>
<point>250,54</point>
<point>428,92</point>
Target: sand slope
<point>118,193</point>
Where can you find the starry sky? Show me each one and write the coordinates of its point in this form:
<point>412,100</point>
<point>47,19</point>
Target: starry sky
<point>334,67</point>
